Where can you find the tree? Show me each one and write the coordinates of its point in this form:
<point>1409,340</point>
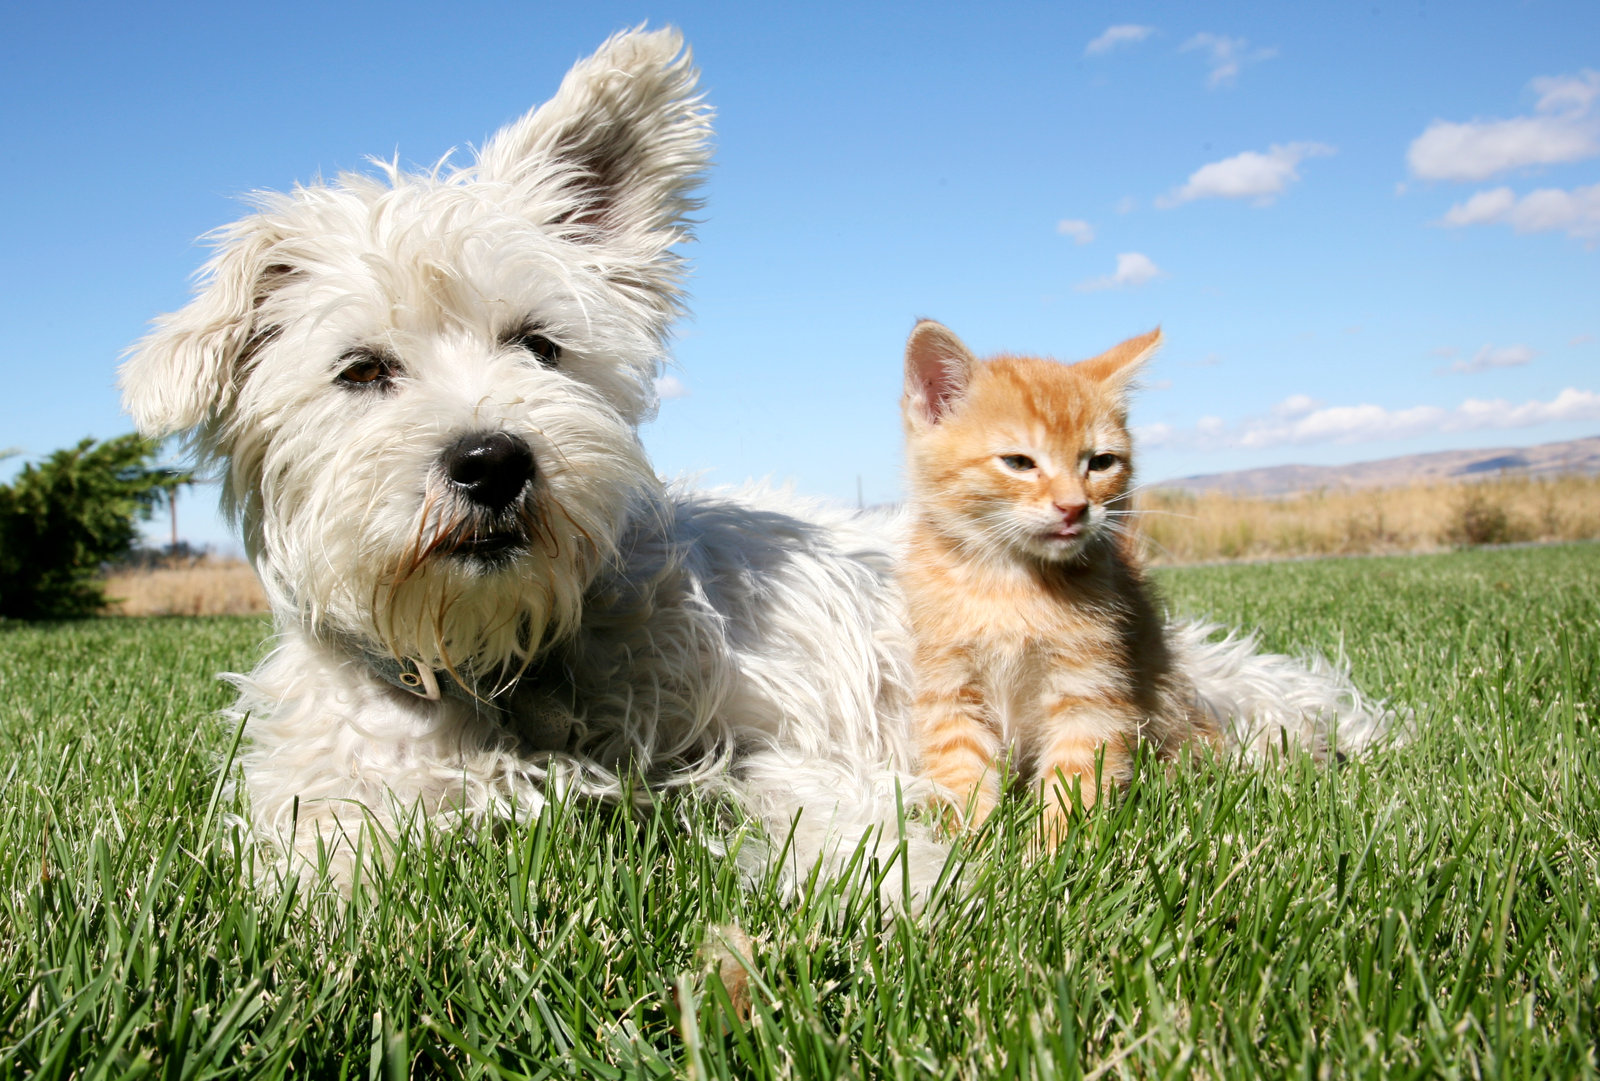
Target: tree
<point>62,520</point>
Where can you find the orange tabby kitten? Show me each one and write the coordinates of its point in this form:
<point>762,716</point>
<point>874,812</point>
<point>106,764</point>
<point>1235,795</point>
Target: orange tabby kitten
<point>1036,636</point>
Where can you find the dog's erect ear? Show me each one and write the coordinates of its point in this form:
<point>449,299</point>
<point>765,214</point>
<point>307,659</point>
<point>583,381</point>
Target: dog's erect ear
<point>938,368</point>
<point>187,371</point>
<point>1116,367</point>
<point>617,153</point>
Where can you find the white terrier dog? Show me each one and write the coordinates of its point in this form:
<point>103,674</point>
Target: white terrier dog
<point>422,394</point>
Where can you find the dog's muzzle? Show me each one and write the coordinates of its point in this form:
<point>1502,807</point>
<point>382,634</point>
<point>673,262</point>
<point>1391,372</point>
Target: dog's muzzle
<point>490,469</point>
<point>490,472</point>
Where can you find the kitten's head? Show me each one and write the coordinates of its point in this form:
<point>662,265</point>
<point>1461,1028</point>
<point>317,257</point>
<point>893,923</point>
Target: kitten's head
<point>1019,457</point>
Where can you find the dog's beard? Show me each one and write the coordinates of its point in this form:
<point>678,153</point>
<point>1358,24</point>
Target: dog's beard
<point>454,587</point>
<point>484,589</point>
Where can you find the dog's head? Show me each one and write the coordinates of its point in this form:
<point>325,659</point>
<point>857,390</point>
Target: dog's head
<point>422,390</point>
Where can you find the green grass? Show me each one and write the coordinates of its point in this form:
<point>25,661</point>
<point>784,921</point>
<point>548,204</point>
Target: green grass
<point>1427,911</point>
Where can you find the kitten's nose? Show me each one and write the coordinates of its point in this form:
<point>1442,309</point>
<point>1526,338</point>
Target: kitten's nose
<point>1071,512</point>
<point>490,468</point>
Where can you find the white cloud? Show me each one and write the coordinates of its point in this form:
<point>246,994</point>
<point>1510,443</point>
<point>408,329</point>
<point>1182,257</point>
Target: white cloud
<point>1565,130</point>
<point>1479,150</point>
<point>1575,212</point>
<point>1485,206</point>
<point>1490,357</point>
<point>1561,93</point>
<point>1250,175</point>
<point>1125,34</point>
<point>1226,56</point>
<point>1295,405</point>
<point>1289,425</point>
<point>1133,268</point>
<point>1080,231</point>
<point>669,387</point>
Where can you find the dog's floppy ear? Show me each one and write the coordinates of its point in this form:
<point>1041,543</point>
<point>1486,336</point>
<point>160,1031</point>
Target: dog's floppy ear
<point>187,371</point>
<point>615,156</point>
<point>938,368</point>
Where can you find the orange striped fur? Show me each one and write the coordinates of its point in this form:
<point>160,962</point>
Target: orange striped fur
<point>1039,647</point>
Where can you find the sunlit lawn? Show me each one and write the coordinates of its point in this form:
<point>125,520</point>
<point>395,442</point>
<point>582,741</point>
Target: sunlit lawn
<point>1426,911</point>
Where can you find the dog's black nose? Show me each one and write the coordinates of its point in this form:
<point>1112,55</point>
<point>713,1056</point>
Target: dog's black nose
<point>491,468</point>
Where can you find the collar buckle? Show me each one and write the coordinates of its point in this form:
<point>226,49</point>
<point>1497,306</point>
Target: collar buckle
<point>419,680</point>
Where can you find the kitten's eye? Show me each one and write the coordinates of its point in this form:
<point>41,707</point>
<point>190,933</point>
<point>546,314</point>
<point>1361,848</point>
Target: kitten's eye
<point>533,341</point>
<point>1020,463</point>
<point>365,369</point>
<point>1101,462</point>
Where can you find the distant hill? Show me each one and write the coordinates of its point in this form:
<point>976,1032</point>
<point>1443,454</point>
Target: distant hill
<point>1546,459</point>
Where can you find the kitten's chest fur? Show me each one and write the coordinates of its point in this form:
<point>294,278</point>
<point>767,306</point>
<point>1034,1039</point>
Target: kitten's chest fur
<point>1030,635</point>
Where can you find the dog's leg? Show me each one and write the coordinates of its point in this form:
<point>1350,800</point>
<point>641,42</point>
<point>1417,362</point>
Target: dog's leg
<point>337,762</point>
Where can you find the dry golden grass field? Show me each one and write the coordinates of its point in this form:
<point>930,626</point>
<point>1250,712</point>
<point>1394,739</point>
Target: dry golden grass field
<point>205,587</point>
<point>1186,528</point>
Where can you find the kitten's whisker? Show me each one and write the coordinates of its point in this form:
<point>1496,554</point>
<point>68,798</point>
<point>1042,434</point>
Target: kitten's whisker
<point>1153,543</point>
<point>1163,513</point>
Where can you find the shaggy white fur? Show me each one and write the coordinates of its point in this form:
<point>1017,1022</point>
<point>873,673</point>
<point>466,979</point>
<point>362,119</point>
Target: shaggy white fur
<point>422,394</point>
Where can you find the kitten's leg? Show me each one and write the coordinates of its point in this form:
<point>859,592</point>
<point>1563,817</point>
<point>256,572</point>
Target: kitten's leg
<point>960,748</point>
<point>1085,738</point>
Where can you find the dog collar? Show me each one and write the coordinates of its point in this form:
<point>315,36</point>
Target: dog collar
<point>525,705</point>
<point>415,678</point>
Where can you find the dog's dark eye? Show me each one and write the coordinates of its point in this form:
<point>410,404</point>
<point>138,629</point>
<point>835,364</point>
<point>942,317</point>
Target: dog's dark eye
<point>1101,462</point>
<point>533,341</point>
<point>365,369</point>
<point>1021,463</point>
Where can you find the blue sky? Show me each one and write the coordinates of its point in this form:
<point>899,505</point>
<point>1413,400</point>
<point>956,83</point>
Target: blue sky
<point>1366,229</point>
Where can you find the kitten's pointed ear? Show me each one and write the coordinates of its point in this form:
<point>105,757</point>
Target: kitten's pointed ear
<point>938,368</point>
<point>1117,366</point>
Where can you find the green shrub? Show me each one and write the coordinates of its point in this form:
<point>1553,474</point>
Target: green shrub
<point>62,520</point>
